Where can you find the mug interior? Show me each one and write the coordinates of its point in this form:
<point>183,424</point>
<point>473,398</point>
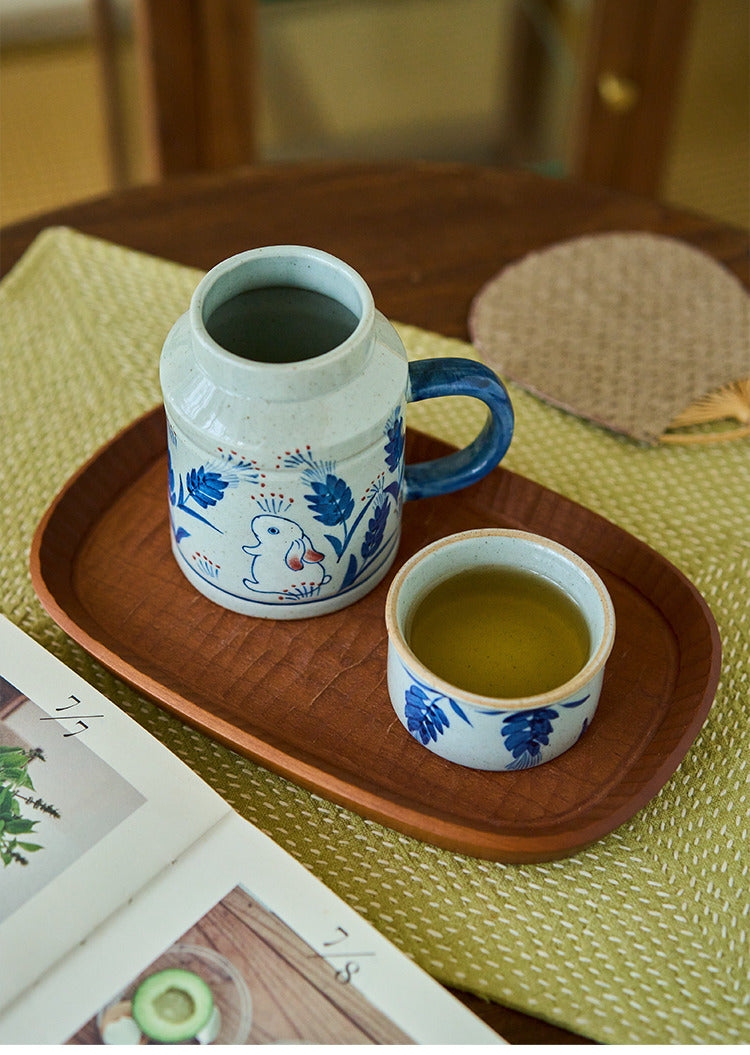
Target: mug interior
<point>507,549</point>
<point>286,268</point>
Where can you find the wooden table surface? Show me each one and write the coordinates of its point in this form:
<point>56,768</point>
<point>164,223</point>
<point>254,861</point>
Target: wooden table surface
<point>424,236</point>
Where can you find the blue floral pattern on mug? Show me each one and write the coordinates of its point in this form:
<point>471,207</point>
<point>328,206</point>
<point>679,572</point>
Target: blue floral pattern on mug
<point>283,559</point>
<point>205,485</point>
<point>394,448</point>
<point>332,503</point>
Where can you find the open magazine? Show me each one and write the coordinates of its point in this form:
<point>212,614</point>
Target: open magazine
<point>136,906</point>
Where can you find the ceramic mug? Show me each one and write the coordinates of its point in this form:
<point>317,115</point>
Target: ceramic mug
<point>484,732</point>
<point>286,433</point>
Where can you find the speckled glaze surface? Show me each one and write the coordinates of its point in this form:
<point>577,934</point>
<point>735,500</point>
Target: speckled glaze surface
<point>479,731</point>
<point>286,480</point>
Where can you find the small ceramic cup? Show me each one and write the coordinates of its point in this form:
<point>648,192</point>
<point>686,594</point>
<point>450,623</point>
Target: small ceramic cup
<point>485,732</point>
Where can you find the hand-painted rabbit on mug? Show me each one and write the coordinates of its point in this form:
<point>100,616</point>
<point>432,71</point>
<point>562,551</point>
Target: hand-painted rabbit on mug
<point>283,559</point>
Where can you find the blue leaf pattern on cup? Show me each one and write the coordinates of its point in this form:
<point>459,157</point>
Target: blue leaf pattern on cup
<point>425,720</point>
<point>425,717</point>
<point>577,703</point>
<point>458,710</point>
<point>526,733</point>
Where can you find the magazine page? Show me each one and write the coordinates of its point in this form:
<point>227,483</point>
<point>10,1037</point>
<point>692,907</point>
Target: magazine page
<point>137,907</point>
<point>91,808</point>
<point>237,943</point>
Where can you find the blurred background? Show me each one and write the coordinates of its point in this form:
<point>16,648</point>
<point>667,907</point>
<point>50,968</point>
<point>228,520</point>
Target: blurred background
<point>364,79</point>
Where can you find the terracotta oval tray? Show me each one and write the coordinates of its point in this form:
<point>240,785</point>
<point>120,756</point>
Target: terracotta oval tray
<point>308,698</point>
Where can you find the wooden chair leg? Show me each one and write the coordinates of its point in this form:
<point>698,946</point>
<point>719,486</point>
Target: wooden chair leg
<point>629,90</point>
<point>105,41</point>
<point>197,61</point>
<point>528,70</point>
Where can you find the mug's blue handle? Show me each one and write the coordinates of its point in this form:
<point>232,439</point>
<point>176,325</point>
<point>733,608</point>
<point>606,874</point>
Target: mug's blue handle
<point>459,377</point>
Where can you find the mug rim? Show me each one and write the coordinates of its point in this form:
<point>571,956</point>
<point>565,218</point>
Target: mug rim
<point>592,667</point>
<point>207,282</point>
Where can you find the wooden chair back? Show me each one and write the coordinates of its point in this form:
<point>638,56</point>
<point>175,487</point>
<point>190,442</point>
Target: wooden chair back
<point>198,59</point>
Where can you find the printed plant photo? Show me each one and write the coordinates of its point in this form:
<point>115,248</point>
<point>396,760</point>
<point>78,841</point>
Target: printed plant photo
<point>240,975</point>
<point>57,797</point>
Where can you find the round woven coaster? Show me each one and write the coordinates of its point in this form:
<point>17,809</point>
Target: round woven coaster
<point>624,329</point>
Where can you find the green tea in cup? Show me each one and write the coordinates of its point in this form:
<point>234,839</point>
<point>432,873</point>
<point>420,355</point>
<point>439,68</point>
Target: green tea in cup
<point>500,631</point>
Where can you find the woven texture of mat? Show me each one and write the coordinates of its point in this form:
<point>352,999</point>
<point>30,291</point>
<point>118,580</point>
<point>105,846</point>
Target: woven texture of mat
<point>626,329</point>
<point>643,937</point>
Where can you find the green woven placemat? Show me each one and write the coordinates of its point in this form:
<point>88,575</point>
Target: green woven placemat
<point>640,939</point>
